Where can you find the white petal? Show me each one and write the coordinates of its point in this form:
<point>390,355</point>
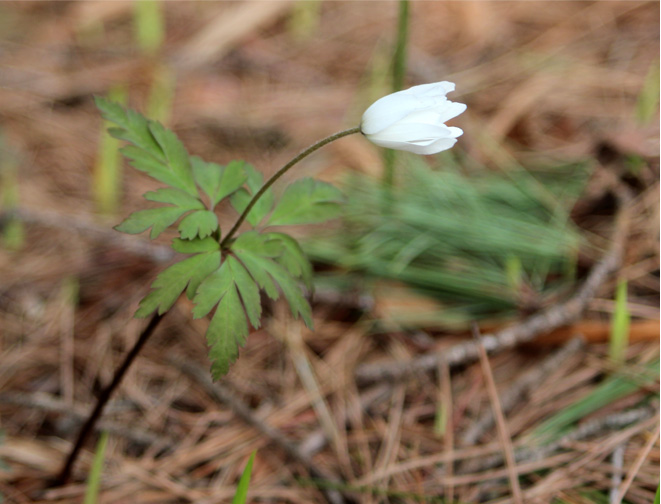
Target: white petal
<point>436,147</point>
<point>433,89</point>
<point>387,111</point>
<point>410,137</point>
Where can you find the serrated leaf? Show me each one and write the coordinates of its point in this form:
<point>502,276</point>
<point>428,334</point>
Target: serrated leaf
<point>228,329</point>
<point>292,292</point>
<point>195,246</point>
<point>307,201</point>
<point>241,198</point>
<point>176,157</point>
<point>211,290</point>
<point>133,127</point>
<point>175,197</point>
<point>293,258</point>
<point>158,219</point>
<point>217,181</point>
<point>198,223</point>
<point>168,286</point>
<point>251,249</point>
<point>248,290</point>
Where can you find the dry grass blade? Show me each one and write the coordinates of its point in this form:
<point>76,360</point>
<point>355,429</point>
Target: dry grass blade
<point>503,431</point>
<point>622,491</point>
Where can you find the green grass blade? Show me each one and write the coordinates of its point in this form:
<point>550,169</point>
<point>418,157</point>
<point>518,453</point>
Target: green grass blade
<point>149,25</point>
<point>242,489</point>
<point>94,479</point>
<point>619,337</point>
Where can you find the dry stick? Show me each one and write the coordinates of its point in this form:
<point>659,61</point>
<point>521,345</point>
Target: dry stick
<point>503,431</point>
<point>636,466</point>
<point>224,396</point>
<point>51,404</point>
<point>520,388</point>
<point>88,427</point>
<point>551,318</point>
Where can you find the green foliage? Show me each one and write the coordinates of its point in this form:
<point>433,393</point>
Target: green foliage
<point>94,479</point>
<point>149,25</point>
<point>610,390</point>
<point>227,280</point>
<point>306,201</point>
<point>481,244</point>
<point>241,494</point>
<point>242,197</point>
<point>619,337</point>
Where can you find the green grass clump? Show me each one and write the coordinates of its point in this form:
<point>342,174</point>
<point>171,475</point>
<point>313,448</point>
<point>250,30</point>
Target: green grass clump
<point>483,245</point>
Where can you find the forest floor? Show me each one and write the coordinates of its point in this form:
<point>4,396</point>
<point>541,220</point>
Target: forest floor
<point>354,411</point>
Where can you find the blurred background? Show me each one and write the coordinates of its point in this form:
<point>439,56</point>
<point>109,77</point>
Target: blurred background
<point>562,121</point>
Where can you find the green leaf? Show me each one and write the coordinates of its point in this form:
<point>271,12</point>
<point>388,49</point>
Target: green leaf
<point>158,219</point>
<point>228,329</point>
<point>241,494</point>
<point>176,157</point>
<point>293,258</point>
<point>297,303</point>
<point>195,246</point>
<point>175,197</point>
<point>133,127</point>
<point>241,198</point>
<point>248,290</point>
<point>199,223</point>
<point>187,274</point>
<point>307,201</point>
<point>217,181</point>
<point>259,253</point>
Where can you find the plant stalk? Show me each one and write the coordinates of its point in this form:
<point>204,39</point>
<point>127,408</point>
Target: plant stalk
<point>280,173</point>
<point>90,423</point>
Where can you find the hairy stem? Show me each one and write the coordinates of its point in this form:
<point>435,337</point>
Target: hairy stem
<point>280,173</point>
<point>90,423</point>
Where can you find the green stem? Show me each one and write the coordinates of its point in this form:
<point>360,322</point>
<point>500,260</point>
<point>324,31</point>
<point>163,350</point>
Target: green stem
<point>280,173</point>
<point>398,74</point>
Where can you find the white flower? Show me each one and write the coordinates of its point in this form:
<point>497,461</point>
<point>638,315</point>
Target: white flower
<point>413,120</point>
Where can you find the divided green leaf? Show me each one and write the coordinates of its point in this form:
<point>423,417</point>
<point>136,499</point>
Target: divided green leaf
<point>242,197</point>
<point>217,181</point>
<point>154,150</point>
<point>307,201</point>
<point>253,263</point>
<point>168,286</point>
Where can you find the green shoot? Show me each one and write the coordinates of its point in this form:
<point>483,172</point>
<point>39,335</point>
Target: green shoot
<point>619,337</point>
<point>149,25</point>
<point>304,18</point>
<point>13,231</point>
<point>610,390</point>
<point>398,75</point>
<point>648,99</point>
<point>241,494</point>
<point>94,479</point>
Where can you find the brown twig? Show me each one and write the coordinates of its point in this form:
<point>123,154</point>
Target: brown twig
<point>503,431</point>
<point>547,320</point>
<point>104,397</point>
<point>520,388</point>
<point>224,396</point>
<point>636,465</point>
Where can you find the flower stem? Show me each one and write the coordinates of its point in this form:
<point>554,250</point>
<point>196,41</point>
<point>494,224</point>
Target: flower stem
<point>88,427</point>
<point>280,173</point>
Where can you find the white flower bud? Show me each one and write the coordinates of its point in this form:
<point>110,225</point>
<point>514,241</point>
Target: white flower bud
<point>414,119</point>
